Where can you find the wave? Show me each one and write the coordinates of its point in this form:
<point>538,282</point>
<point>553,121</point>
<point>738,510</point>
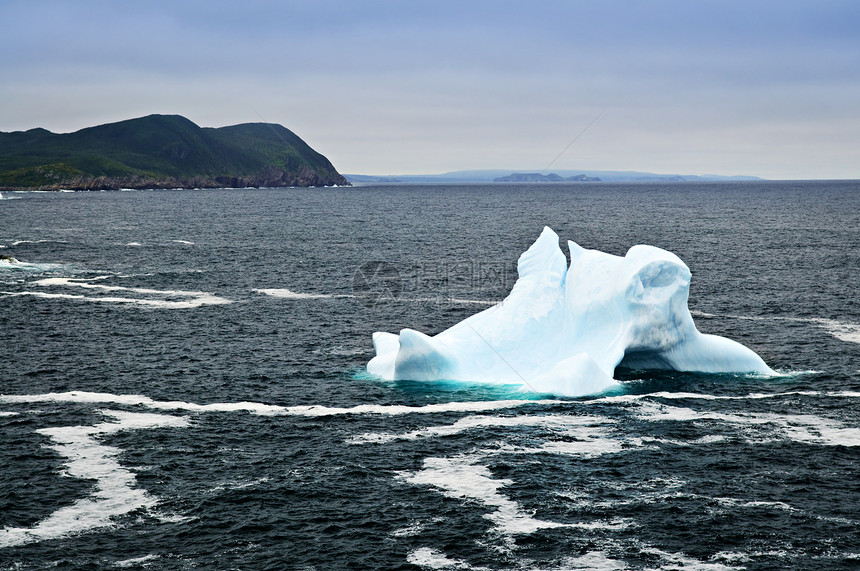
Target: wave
<point>429,558</point>
<point>455,300</point>
<point>848,332</point>
<point>267,409</point>
<point>557,422</point>
<point>43,241</point>
<point>13,264</point>
<point>432,559</point>
<point>289,294</point>
<point>801,428</point>
<point>391,410</point>
<point>137,562</point>
<point>462,478</point>
<point>704,396</point>
<point>285,293</point>
<point>192,299</point>
<point>842,330</point>
<point>114,493</point>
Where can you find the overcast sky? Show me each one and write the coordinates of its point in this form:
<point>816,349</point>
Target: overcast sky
<point>768,88</point>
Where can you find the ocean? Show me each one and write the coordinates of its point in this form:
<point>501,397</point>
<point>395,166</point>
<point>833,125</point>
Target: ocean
<point>183,384</point>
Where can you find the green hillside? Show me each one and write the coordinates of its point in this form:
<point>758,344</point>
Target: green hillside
<point>161,151</point>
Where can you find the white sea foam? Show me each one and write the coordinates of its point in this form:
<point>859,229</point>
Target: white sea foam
<point>557,422</point>
<point>134,244</point>
<point>284,293</point>
<point>848,332</point>
<point>114,493</point>
<point>736,503</point>
<point>805,428</point>
<point>472,301</point>
<point>432,559</point>
<point>10,263</point>
<point>414,529</point>
<point>844,331</point>
<point>628,398</point>
<point>8,414</point>
<point>240,485</point>
<point>267,409</point>
<point>18,242</point>
<point>138,561</point>
<point>188,299</point>
<point>592,561</point>
<point>847,394</point>
<point>207,299</point>
<point>186,242</point>
<point>587,446</point>
<point>681,562</point>
<point>462,478</point>
<point>704,440</point>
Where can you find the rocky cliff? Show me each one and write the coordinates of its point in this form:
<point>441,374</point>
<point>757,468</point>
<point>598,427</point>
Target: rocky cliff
<point>161,151</point>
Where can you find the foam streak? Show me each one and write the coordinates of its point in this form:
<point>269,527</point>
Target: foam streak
<point>192,298</point>
<point>114,493</point>
<point>269,410</point>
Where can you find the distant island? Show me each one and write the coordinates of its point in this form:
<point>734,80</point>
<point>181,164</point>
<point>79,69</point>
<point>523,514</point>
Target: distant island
<point>161,151</point>
<point>537,177</point>
<point>503,175</point>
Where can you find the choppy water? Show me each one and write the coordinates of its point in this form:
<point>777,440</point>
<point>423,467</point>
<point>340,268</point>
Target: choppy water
<point>182,386</point>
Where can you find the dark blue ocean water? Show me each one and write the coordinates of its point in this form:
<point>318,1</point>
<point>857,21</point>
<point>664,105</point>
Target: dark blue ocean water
<point>182,384</point>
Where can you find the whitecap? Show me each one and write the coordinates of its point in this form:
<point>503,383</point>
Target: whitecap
<point>802,428</point>
<point>593,561</point>
<point>682,562</point>
<point>10,263</point>
<point>189,304</point>
<point>284,293</point>
<point>633,398</point>
<point>462,478</point>
<point>43,241</point>
<point>432,559</point>
<point>415,528</point>
<point>136,561</point>
<point>269,410</point>
<point>239,485</point>
<point>134,244</point>
<point>844,331</point>
<point>736,503</point>
<point>192,299</point>
<point>557,422</point>
<point>848,332</point>
<point>185,242</point>
<point>114,493</point>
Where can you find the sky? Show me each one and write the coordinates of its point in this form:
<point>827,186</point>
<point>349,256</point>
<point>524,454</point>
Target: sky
<point>769,88</point>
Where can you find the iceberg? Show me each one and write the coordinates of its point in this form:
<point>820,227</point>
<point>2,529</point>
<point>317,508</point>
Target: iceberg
<point>563,330</point>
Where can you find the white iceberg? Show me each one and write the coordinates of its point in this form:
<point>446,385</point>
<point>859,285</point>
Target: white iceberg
<point>564,330</point>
